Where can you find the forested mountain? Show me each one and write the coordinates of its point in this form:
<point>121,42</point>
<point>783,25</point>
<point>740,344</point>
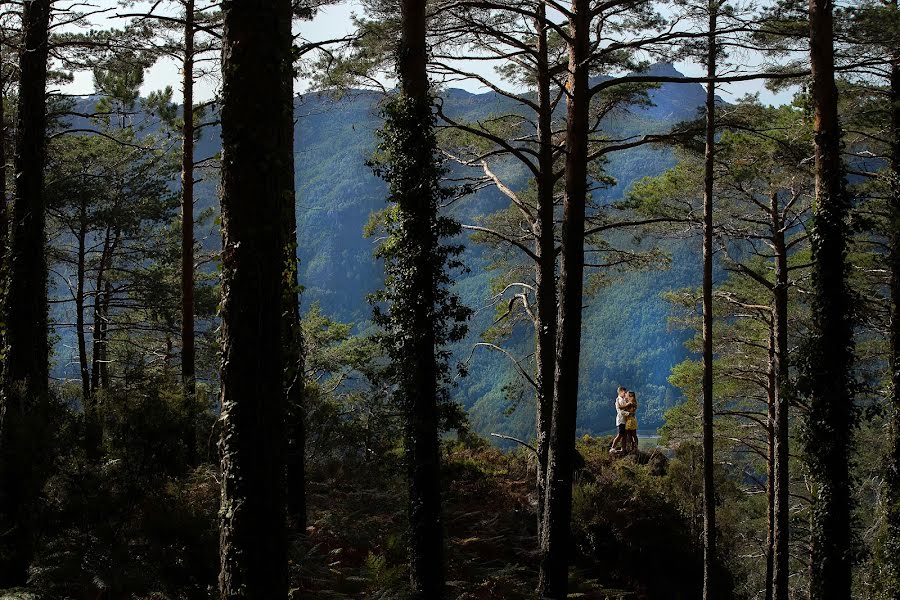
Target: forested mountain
<point>626,334</point>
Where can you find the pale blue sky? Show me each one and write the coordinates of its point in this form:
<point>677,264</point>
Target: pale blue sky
<point>333,22</point>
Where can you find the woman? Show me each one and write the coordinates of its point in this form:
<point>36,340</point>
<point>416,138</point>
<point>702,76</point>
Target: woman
<point>631,423</point>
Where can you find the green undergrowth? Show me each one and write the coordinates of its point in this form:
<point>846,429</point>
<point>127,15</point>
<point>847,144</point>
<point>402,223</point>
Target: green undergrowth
<point>630,539</point>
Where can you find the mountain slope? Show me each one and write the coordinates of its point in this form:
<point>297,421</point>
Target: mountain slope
<point>626,340</point>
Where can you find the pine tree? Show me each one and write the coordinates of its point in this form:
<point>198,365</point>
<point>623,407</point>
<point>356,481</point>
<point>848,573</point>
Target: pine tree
<point>416,309</point>
<point>257,182</point>
<point>26,383</point>
<point>828,435</point>
<point>554,571</point>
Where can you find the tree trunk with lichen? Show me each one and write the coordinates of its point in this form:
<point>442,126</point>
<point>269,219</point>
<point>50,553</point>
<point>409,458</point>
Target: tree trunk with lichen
<point>257,180</point>
<point>421,380</point>
<point>828,433</point>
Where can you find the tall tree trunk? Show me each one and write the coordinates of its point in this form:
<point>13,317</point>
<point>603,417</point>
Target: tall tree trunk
<point>709,492</point>
<point>771,378</point>
<point>99,367</point>
<point>830,419</point>
<point>188,360</point>
<point>257,179</point>
<point>91,425</point>
<point>781,481</point>
<point>294,383</point>
<point>553,578</point>
<point>106,299</point>
<point>79,312</point>
<point>892,550</point>
<point>4,208</point>
<point>27,369</point>
<point>422,446</point>
<point>545,269</point>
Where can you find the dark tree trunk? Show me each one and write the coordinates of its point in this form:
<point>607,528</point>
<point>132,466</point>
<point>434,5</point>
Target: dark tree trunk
<point>84,365</point>
<point>4,207</point>
<point>99,328</point>
<point>545,269</point>
<point>892,551</point>
<point>422,446</point>
<point>781,481</point>
<point>27,369</point>
<point>709,493</point>
<point>553,578</point>
<point>188,359</point>
<point>294,383</point>
<point>830,418</point>
<point>257,179</point>
<point>104,336</point>
<point>91,424</point>
<point>771,378</point>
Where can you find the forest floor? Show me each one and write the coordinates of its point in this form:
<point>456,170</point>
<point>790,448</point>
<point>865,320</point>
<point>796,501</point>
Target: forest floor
<point>355,546</point>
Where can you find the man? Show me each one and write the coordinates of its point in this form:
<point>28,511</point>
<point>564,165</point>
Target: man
<point>621,416</point>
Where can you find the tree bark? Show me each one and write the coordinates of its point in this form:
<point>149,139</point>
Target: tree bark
<point>102,292</point>
<point>781,481</point>
<point>771,378</point>
<point>89,405</point>
<point>27,367</point>
<point>4,207</point>
<point>257,179</point>
<point>553,577</point>
<point>188,359</point>
<point>294,383</point>
<point>422,445</point>
<point>709,492</point>
<point>892,550</point>
<point>830,417</point>
<point>545,269</point>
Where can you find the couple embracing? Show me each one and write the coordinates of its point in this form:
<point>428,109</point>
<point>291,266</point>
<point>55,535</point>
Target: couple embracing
<point>626,423</point>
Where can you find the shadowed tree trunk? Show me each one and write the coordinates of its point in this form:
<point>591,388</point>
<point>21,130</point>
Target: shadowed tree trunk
<point>771,378</point>
<point>892,550</point>
<point>422,447</point>
<point>91,424</point>
<point>828,435</point>
<point>780,481</point>
<point>294,384</point>
<point>553,577</point>
<point>188,359</point>
<point>4,207</point>
<point>26,382</point>
<point>709,492</point>
<point>257,180</point>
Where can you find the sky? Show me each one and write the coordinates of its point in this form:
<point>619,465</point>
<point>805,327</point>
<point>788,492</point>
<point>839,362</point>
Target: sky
<point>334,22</point>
